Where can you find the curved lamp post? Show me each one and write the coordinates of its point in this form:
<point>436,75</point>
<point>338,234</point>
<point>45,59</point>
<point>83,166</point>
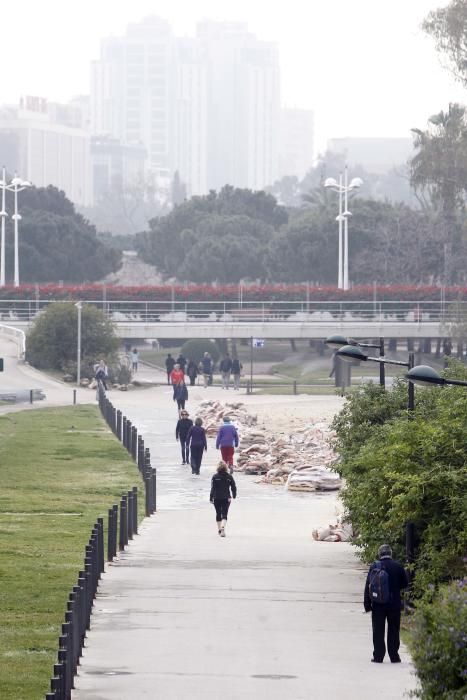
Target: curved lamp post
<point>343,187</point>
<point>15,186</point>
<point>339,341</point>
<point>423,375</point>
<point>352,353</point>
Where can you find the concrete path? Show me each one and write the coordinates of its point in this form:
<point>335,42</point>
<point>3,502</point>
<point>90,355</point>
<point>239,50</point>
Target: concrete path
<point>264,613</point>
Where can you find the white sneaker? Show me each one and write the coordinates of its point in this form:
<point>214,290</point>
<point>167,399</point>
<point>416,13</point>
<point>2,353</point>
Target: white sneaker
<point>222,532</point>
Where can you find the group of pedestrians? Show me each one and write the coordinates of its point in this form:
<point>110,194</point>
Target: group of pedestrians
<point>193,442</point>
<point>205,368</point>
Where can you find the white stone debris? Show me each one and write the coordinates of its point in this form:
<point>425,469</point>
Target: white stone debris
<point>299,461</point>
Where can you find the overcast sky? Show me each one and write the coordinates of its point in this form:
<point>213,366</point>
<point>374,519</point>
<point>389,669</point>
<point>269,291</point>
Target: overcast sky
<point>364,66</point>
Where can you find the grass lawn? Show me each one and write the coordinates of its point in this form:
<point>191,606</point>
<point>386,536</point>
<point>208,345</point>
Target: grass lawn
<point>60,469</point>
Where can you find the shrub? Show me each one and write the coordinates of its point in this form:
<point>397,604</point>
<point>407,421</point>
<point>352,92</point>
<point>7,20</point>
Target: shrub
<point>438,644</point>
<point>52,340</point>
<point>194,349</point>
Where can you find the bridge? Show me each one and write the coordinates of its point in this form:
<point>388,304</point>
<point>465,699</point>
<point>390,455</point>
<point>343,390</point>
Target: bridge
<point>265,319</point>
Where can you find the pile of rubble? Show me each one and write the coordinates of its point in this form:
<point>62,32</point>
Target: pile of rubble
<point>212,413</point>
<point>300,460</point>
<point>340,532</point>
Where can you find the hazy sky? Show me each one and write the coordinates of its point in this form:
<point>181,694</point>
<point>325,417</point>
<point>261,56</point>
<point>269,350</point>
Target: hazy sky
<point>364,66</point>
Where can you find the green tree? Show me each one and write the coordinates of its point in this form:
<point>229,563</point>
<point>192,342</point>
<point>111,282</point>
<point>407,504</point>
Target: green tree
<point>440,163</point>
<point>448,27</point>
<point>52,340</point>
<point>55,242</point>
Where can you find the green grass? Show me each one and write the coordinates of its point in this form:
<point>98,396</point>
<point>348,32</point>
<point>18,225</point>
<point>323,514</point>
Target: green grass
<point>60,469</point>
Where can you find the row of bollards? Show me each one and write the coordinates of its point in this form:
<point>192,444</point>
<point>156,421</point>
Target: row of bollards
<point>122,526</point>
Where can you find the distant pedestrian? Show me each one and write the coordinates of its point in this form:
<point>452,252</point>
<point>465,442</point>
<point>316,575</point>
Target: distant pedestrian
<point>192,371</point>
<point>227,441</point>
<point>134,359</point>
<point>223,489</point>
<point>181,361</point>
<point>180,394</point>
<point>176,375</point>
<point>226,368</point>
<point>386,578</point>
<point>101,373</point>
<point>169,364</point>
<point>236,371</point>
<point>197,444</point>
<point>184,424</point>
<point>206,365</point>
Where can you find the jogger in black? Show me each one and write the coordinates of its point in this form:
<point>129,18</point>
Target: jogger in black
<point>181,433</point>
<point>223,488</point>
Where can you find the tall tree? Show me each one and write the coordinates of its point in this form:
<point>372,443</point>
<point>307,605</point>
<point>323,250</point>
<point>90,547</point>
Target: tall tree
<point>440,163</point>
<point>448,26</point>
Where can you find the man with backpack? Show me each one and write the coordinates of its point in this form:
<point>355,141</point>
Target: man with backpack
<point>386,578</point>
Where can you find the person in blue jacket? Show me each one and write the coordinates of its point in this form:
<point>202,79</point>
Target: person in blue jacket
<point>227,441</point>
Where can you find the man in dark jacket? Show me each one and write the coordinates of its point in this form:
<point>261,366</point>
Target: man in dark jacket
<point>170,364</point>
<point>181,433</point>
<point>226,368</point>
<point>389,611</point>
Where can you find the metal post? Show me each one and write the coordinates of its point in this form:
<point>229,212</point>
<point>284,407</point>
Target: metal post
<point>382,371</point>
<point>411,387</point>
<point>79,306</point>
<point>3,214</point>
<point>74,397</point>
<point>16,217</point>
<point>346,231</point>
<point>31,395</point>
<point>340,283</point>
<point>251,363</point>
<point>135,510</point>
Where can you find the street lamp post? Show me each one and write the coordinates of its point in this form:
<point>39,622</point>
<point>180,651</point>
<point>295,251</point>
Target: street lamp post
<point>3,215</point>
<point>17,185</point>
<point>343,189</point>
<point>423,375</point>
<point>339,341</point>
<point>352,353</point>
<point>79,306</point>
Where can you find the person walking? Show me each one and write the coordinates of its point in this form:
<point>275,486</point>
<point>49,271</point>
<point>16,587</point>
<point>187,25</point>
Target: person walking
<point>134,359</point>
<point>227,441</point>
<point>181,361</point>
<point>206,364</point>
<point>182,429</point>
<point>180,394</point>
<point>192,371</point>
<point>101,373</point>
<point>176,375</point>
<point>223,489</point>
<point>386,578</point>
<point>169,364</point>
<point>236,371</point>
<point>197,444</point>
<point>226,368</point>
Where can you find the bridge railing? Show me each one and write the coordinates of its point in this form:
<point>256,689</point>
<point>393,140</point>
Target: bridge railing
<point>253,311</point>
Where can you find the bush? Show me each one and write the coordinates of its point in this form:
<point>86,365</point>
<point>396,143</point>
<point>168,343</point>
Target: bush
<point>438,644</point>
<point>52,340</point>
<point>194,349</point>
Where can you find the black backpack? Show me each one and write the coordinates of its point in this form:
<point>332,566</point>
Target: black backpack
<point>378,584</point>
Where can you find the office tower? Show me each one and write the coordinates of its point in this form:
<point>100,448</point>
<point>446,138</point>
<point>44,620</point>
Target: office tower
<point>296,142</point>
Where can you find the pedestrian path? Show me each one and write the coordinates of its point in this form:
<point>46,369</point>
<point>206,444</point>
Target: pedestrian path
<point>264,613</point>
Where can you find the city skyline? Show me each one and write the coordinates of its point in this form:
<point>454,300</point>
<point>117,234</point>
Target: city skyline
<point>364,69</point>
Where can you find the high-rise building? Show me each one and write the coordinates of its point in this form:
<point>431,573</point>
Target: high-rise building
<point>47,145</point>
<point>132,90</point>
<point>296,142</point>
<point>243,106</point>
<point>207,107</point>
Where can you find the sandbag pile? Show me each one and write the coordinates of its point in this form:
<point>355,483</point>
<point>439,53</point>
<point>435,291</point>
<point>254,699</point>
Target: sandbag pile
<point>340,532</point>
<point>212,413</point>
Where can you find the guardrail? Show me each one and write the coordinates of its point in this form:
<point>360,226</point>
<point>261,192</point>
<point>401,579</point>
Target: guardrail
<point>246,312</point>
<point>122,526</point>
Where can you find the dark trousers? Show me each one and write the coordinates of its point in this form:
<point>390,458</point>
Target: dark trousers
<point>185,449</point>
<point>168,378</point>
<point>192,380</point>
<point>196,457</point>
<point>222,508</point>
<point>180,403</point>
<point>379,616</point>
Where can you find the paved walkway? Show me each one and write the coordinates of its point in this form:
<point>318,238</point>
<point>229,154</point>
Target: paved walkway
<point>264,613</point>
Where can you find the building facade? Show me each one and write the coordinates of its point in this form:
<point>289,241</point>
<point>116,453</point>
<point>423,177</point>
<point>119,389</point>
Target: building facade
<point>296,142</point>
<point>46,144</point>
